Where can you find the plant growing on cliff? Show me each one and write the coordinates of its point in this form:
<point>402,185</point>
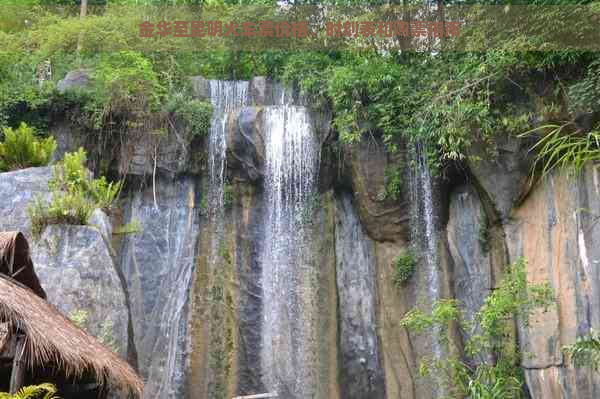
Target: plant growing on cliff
<point>404,267</point>
<point>75,195</point>
<point>195,114</point>
<point>228,196</point>
<point>393,183</point>
<point>585,352</point>
<point>22,149</point>
<point>564,147</point>
<point>484,234</point>
<point>490,332</point>
<point>133,227</point>
<point>80,318</point>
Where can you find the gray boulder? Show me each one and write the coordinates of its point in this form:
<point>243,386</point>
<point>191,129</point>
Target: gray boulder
<point>17,190</point>
<point>75,268</point>
<point>74,79</point>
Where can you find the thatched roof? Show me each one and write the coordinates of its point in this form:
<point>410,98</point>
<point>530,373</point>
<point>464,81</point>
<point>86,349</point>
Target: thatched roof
<point>16,262</point>
<point>52,340</point>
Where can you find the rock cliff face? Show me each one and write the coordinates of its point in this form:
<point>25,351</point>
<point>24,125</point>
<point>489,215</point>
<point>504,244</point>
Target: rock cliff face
<point>75,263</point>
<point>189,310</point>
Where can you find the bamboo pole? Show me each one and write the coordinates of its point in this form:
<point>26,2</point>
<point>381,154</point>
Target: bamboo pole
<point>17,376</point>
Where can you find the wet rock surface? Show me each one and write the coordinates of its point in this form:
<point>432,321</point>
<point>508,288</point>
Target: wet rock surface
<point>157,262</point>
<point>490,219</point>
<point>362,374</point>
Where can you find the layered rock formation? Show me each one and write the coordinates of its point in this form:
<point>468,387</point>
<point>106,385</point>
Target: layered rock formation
<point>197,308</point>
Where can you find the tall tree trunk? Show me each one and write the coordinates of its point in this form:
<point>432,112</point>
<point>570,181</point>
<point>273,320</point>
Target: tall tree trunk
<point>83,10</point>
<point>82,14</point>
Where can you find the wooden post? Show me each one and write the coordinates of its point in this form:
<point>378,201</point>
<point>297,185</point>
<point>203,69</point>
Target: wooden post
<point>17,375</point>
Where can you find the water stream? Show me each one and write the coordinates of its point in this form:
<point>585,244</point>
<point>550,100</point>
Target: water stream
<point>424,232</point>
<point>290,179</point>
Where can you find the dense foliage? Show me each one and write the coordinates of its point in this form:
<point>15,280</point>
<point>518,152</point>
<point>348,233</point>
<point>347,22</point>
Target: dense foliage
<point>404,267</point>
<point>22,149</point>
<point>490,333</point>
<point>585,352</point>
<point>445,99</point>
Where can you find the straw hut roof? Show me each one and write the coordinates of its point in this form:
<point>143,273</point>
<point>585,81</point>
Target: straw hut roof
<point>52,340</point>
<point>16,263</point>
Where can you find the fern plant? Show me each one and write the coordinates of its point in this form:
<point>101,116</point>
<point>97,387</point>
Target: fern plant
<point>22,149</point>
<point>41,391</point>
<point>75,195</point>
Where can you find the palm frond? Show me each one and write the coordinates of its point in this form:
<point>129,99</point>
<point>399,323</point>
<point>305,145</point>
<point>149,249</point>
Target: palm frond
<point>41,391</point>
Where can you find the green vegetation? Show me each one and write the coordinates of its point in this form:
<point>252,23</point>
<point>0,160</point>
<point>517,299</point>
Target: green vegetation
<point>393,183</point>
<point>22,149</point>
<point>204,206</point>
<point>404,267</point>
<point>446,100</point>
<point>228,196</point>
<point>80,318</point>
<point>75,195</point>
<point>195,114</point>
<point>585,352</point>
<point>484,234</point>
<point>41,391</point>
<point>222,322</point>
<point>133,227</point>
<point>491,332</point>
<point>564,148</point>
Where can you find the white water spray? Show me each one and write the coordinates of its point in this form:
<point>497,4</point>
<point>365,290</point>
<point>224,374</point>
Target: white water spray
<point>425,231</point>
<point>290,179</point>
<point>226,97</point>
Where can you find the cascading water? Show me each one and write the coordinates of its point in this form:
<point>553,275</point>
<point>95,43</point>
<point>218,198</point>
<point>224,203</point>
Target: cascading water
<point>292,160</point>
<point>425,229</point>
<point>226,97</point>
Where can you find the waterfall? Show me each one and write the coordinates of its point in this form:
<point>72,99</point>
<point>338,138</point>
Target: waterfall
<point>425,230</point>
<point>226,97</point>
<point>292,159</point>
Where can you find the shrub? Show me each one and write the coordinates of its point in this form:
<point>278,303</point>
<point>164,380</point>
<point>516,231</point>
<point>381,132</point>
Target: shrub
<point>195,113</point>
<point>71,176</point>
<point>393,183</point>
<point>585,352</point>
<point>513,299</point>
<point>64,208</point>
<point>404,267</point>
<point>75,195</point>
<point>21,149</point>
